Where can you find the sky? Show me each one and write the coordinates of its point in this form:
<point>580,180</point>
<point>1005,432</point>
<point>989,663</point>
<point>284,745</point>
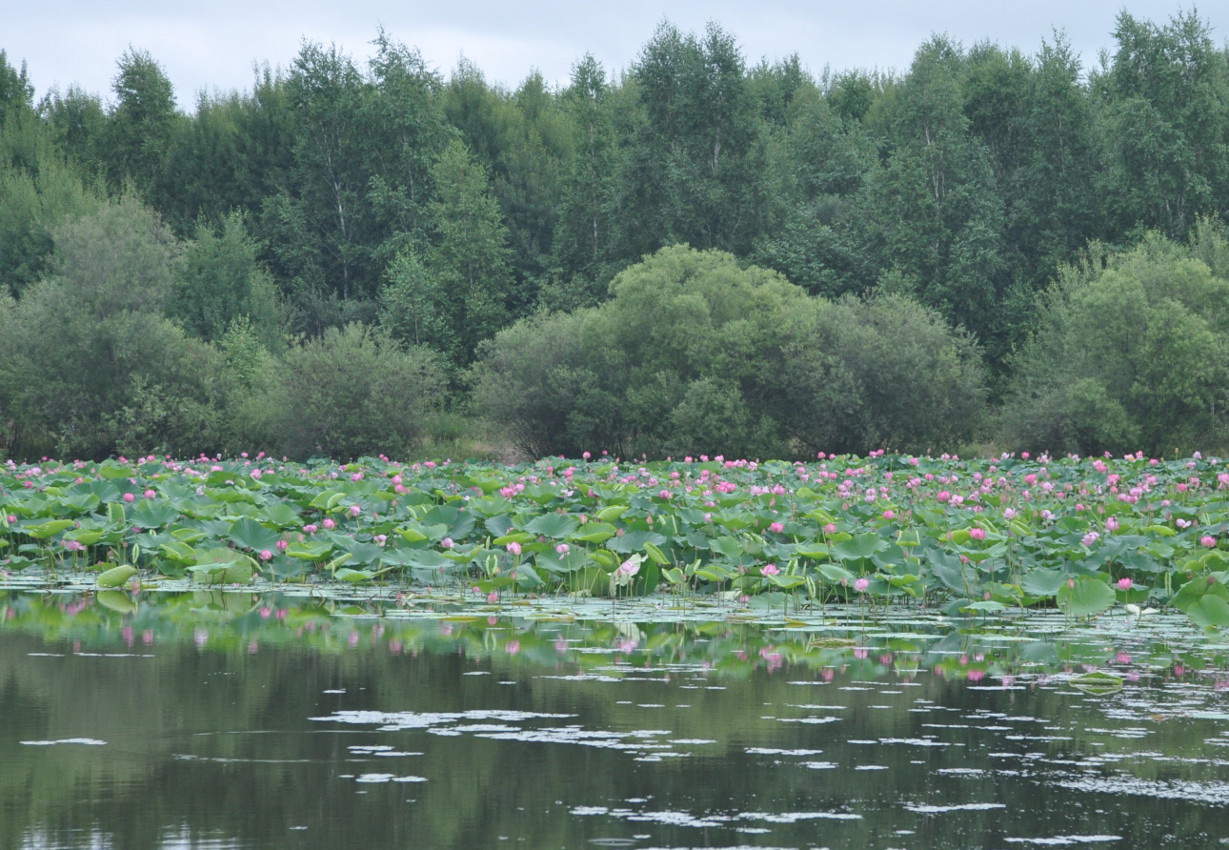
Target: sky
<point>213,46</point>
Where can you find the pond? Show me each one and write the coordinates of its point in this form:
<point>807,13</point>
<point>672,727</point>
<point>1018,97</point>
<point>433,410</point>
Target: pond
<point>223,719</point>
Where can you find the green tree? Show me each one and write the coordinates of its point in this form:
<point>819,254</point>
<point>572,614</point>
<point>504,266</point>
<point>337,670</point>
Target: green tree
<point>405,115</point>
<point>328,96</point>
<point>413,307</point>
<point>582,238</point>
<point>221,280</point>
<point>1165,108</point>
<point>469,257</point>
<point>933,215</point>
<point>912,384</point>
<point>816,167</point>
<point>92,366</point>
<point>141,126</point>
<point>1130,353</point>
<point>695,354</point>
<point>79,126</point>
<point>1055,212</point>
<point>16,92</point>
<point>549,385</point>
<point>38,189</point>
<point>692,169</point>
<point>348,393</point>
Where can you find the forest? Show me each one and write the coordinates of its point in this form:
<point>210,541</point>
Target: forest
<point>993,250</point>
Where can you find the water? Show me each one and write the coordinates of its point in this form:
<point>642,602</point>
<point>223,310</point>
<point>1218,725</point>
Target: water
<point>235,721</point>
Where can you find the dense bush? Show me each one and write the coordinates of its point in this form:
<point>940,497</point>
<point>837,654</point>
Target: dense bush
<point>91,367</point>
<point>914,384</point>
<point>349,393</point>
<point>1132,351</point>
<point>694,354</point>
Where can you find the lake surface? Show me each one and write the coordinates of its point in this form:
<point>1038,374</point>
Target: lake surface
<point>234,720</point>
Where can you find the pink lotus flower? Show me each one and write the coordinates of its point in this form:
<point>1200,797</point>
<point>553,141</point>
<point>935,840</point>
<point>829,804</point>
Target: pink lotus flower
<point>1124,583</point>
<point>776,528</point>
<point>628,568</point>
<point>1208,541</point>
<point>770,570</point>
<point>514,548</point>
<point>129,497</point>
<point>861,585</point>
<point>977,533</point>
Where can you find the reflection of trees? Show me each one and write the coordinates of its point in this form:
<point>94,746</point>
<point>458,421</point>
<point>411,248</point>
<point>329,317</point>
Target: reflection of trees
<point>218,742</point>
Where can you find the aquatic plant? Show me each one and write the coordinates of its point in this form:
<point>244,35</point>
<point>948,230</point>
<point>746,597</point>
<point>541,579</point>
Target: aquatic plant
<point>975,537</point>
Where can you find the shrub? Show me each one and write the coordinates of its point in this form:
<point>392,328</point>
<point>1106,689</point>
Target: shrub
<point>91,367</point>
<point>1131,352</point>
<point>694,354</point>
<point>349,393</point>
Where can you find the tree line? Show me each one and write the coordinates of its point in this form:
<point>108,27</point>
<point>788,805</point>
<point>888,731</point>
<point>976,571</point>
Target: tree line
<point>991,246</point>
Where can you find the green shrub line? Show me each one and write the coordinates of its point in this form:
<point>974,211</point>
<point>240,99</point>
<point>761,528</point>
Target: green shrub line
<point>973,537</point>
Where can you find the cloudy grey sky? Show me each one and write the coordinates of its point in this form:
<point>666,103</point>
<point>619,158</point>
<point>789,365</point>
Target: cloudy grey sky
<point>212,45</point>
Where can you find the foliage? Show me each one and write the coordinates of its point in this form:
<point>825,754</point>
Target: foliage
<point>693,353</point>
<point>1131,349</point>
<point>351,392</point>
<point>128,377</point>
<point>221,281</point>
<point>976,538</point>
<point>447,208</point>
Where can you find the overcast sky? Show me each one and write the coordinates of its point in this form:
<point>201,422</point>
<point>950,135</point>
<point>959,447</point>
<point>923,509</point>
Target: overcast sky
<point>212,45</point>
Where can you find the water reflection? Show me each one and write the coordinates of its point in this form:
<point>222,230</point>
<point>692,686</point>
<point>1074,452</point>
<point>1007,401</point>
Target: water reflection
<point>218,719</point>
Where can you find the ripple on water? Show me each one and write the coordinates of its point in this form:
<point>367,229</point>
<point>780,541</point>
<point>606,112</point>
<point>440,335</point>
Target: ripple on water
<point>1065,840</point>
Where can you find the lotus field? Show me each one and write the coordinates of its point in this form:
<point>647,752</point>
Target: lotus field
<point>975,537</point>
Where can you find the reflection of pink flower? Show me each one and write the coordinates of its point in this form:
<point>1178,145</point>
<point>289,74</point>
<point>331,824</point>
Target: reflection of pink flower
<point>860,652</point>
<point>512,647</point>
<point>861,584</point>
